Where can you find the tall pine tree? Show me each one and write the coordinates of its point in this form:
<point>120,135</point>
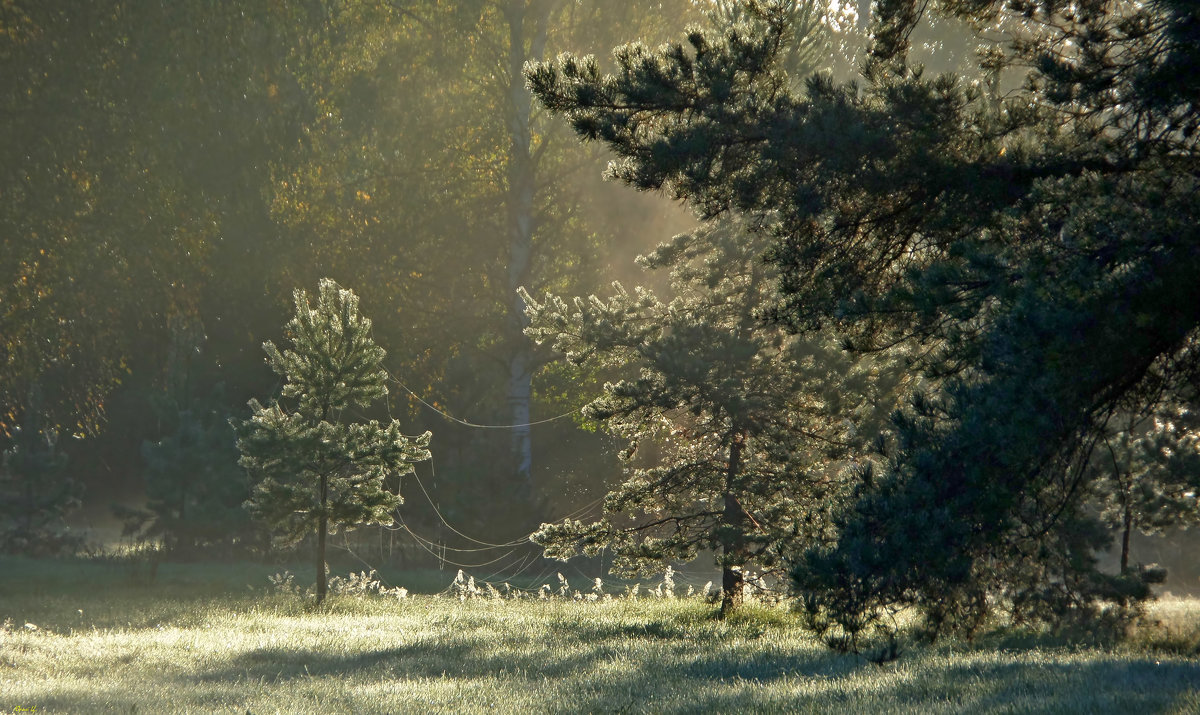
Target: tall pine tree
<point>742,426</point>
<point>1040,245</point>
<point>316,469</point>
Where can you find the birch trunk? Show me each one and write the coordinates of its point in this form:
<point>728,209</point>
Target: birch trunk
<point>527,23</point>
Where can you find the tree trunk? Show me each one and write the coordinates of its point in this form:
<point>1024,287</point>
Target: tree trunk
<point>525,20</point>
<point>1128,527</point>
<point>734,537</point>
<point>25,521</point>
<point>322,529</point>
<point>30,441</point>
<point>732,582</point>
<point>173,542</point>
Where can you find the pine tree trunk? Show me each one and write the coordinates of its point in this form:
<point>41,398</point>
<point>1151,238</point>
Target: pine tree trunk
<point>733,524</point>
<point>322,529</point>
<point>25,521</point>
<point>173,542</point>
<point>732,582</point>
<point>29,440</point>
<point>523,21</point>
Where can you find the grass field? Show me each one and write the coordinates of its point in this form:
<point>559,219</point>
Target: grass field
<point>103,638</point>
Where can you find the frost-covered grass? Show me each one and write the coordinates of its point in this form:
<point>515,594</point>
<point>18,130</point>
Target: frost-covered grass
<point>165,647</point>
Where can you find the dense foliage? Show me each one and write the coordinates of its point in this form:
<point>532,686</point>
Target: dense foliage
<point>1038,243</point>
<point>316,468</point>
<point>37,492</point>
<point>194,489</point>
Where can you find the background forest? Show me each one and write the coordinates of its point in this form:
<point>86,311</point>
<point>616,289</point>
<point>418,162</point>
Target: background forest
<point>172,171</point>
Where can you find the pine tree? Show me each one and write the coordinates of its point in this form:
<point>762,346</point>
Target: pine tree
<point>315,468</point>
<point>1147,475</point>
<point>194,488</point>
<point>1038,245</point>
<point>741,424</point>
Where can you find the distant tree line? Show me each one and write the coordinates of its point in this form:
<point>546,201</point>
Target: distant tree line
<point>172,172</point>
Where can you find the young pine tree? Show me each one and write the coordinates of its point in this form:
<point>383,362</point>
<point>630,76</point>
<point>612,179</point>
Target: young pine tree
<point>741,423</point>
<point>315,468</point>
<point>194,488</point>
<point>1147,475</point>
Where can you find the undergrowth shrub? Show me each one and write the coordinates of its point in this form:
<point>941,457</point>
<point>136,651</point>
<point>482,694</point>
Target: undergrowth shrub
<point>466,587</point>
<point>361,584</point>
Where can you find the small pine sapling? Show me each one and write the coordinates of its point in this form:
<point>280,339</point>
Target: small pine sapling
<point>1147,475</point>
<point>314,468</point>
<point>194,488</point>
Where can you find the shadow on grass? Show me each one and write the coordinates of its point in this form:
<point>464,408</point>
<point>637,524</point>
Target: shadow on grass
<point>415,661</point>
<point>651,630</point>
<point>679,620</point>
<point>116,593</point>
<point>1057,687</point>
<point>460,660</point>
<point>1059,684</point>
<point>466,657</point>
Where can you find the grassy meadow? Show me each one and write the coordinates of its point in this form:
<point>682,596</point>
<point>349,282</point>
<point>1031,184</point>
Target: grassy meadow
<point>104,637</point>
